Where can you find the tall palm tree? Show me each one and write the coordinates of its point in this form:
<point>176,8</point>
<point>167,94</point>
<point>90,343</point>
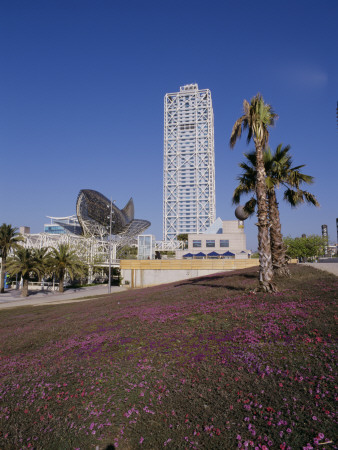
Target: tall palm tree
<point>9,238</point>
<point>24,261</point>
<point>257,118</point>
<point>279,171</point>
<point>64,259</point>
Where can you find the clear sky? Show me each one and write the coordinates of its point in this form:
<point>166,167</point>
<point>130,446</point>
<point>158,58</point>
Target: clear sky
<point>81,99</point>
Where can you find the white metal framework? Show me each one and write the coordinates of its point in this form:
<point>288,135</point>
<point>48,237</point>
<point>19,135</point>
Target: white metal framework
<point>189,162</point>
<point>93,251</point>
<point>97,233</point>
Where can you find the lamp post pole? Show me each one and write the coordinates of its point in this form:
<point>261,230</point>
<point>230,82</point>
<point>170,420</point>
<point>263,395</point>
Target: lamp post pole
<point>109,280</point>
<point>1,271</point>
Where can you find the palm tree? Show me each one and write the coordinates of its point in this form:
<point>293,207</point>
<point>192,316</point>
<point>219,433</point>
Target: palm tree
<point>64,259</point>
<point>257,118</point>
<point>9,238</point>
<point>24,261</point>
<point>42,257</point>
<point>279,171</point>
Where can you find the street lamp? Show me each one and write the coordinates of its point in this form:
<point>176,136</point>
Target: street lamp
<point>1,268</point>
<point>110,226</point>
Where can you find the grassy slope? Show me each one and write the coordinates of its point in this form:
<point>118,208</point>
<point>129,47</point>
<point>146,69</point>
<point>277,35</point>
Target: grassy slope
<point>196,364</point>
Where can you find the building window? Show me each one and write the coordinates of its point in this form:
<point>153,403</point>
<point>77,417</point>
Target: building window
<point>197,244</point>
<point>224,243</point>
<point>210,243</point>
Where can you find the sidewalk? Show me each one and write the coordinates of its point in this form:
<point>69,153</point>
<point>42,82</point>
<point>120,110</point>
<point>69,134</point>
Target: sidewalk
<point>328,267</point>
<point>12,297</point>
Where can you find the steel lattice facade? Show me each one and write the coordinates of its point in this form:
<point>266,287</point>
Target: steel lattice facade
<point>189,162</point>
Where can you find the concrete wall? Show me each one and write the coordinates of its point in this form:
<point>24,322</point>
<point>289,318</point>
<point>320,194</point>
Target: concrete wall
<point>139,273</point>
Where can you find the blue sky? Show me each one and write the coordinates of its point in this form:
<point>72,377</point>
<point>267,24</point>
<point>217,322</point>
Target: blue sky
<point>82,86</point>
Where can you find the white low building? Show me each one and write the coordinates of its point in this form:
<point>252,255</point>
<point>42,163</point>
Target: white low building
<point>223,239</point>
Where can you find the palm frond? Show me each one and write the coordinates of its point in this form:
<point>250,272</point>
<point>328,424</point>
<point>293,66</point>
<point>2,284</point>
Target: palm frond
<point>298,167</point>
<point>240,190</point>
<point>299,178</point>
<point>236,196</point>
<point>236,131</point>
<point>250,206</point>
<point>249,137</point>
<point>293,197</point>
<point>251,157</point>
<point>310,198</point>
<point>270,183</point>
<point>246,168</point>
<point>246,108</point>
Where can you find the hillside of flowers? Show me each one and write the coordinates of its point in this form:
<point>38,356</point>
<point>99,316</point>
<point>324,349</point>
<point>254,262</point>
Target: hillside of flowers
<point>201,364</point>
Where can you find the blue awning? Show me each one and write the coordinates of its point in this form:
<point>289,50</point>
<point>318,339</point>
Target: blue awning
<point>228,254</point>
<point>188,255</point>
<point>200,254</point>
<point>213,254</point>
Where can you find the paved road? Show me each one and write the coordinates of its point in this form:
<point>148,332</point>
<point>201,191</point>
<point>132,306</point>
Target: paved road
<point>328,267</point>
<point>12,297</point>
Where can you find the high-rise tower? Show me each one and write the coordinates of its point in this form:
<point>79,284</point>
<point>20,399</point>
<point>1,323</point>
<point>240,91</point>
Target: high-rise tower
<point>189,162</point>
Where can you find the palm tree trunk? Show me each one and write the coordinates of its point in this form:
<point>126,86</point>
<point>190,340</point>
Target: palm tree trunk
<point>279,260</point>
<point>2,278</point>
<point>264,249</point>
<point>61,279</point>
<point>24,292</point>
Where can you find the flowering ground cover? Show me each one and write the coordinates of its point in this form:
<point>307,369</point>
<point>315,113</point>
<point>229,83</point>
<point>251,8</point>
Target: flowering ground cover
<point>201,363</point>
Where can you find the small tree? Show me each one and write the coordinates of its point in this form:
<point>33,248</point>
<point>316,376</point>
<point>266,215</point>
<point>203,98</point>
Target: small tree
<point>183,237</point>
<point>25,262</point>
<point>9,239</point>
<point>127,252</point>
<point>64,259</point>
<point>42,258</point>
<point>305,247</point>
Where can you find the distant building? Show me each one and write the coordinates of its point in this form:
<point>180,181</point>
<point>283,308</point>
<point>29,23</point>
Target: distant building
<point>326,238</point>
<point>189,162</point>
<point>223,239</point>
<point>60,225</point>
<point>146,246</point>
<point>24,230</point>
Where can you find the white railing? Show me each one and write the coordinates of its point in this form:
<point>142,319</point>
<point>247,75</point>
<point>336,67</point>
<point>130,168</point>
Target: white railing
<point>169,245</point>
<point>38,286</point>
